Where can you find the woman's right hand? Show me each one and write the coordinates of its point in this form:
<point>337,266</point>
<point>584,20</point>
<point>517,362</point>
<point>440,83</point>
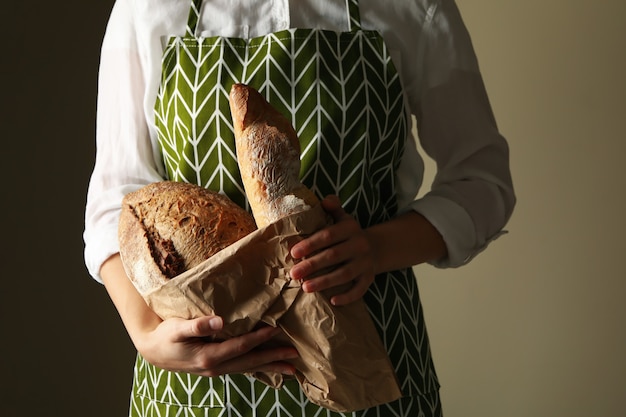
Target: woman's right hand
<point>182,345</point>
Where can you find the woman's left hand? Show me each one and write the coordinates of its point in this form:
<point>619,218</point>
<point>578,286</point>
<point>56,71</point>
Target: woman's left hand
<point>341,253</point>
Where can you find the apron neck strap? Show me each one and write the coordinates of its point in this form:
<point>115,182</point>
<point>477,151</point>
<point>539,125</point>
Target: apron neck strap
<point>352,8</point>
<point>354,15</point>
<point>193,18</point>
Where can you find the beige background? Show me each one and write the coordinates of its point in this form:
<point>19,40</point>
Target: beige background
<point>536,325</point>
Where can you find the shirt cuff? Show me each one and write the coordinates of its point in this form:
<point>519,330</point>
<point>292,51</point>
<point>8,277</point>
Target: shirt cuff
<point>455,226</point>
<point>99,247</point>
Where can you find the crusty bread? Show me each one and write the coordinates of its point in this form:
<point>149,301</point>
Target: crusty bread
<point>268,153</point>
<point>169,227</point>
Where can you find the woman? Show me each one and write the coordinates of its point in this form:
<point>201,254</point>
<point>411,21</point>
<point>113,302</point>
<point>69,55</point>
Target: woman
<point>349,74</point>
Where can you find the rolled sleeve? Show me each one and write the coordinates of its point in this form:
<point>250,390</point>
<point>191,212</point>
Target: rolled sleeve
<point>454,224</point>
<point>472,197</point>
<point>101,223</point>
<point>126,157</point>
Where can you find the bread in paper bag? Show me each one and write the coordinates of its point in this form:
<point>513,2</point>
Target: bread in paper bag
<point>343,365</point>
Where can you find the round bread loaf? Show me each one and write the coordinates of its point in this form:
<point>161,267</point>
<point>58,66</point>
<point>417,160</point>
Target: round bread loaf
<point>168,227</point>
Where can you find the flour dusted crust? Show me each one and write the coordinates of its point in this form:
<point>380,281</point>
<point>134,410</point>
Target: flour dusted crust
<point>268,153</point>
<point>169,227</point>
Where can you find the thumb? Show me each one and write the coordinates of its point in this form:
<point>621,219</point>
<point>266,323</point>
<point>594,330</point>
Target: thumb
<point>202,326</point>
<point>332,205</point>
<point>331,202</point>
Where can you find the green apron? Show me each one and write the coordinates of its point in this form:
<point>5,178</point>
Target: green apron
<point>345,100</point>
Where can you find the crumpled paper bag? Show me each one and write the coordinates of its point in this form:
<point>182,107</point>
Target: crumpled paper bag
<point>343,365</point>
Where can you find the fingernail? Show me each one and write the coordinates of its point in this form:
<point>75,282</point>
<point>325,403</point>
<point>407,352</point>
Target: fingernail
<point>296,253</point>
<point>294,273</point>
<point>216,323</point>
<point>308,286</point>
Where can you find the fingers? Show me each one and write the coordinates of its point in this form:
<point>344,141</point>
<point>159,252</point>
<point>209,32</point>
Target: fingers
<point>334,247</point>
<point>348,273</point>
<point>358,289</point>
<point>200,327</point>
<point>239,354</point>
<point>322,238</point>
<point>336,255</point>
<point>325,239</point>
<point>181,345</point>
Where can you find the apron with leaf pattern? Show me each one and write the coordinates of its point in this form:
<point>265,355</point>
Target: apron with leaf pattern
<point>344,98</point>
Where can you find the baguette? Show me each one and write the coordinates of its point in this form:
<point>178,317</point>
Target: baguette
<point>268,153</point>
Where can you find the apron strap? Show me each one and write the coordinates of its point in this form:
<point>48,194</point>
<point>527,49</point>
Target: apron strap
<point>192,19</point>
<point>354,15</point>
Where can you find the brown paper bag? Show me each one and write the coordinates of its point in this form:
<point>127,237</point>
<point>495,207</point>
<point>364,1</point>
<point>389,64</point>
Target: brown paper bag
<point>343,365</point>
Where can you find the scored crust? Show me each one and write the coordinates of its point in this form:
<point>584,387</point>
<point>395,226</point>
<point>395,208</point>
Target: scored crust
<point>169,227</point>
<point>268,153</point>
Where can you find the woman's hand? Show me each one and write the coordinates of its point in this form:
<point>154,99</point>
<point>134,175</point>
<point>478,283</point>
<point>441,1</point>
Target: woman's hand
<point>181,345</point>
<point>341,254</point>
<point>344,253</point>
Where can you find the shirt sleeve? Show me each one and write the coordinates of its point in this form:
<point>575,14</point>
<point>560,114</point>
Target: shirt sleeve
<point>125,158</point>
<point>472,196</point>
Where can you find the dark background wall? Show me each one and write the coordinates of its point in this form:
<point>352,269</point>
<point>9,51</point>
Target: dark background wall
<point>63,350</point>
<point>540,314</point>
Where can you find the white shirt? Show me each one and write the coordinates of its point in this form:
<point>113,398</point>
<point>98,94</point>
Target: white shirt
<point>472,196</point>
